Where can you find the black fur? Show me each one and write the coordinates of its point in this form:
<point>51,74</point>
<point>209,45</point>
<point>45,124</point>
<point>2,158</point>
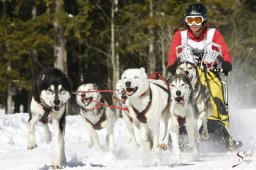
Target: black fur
<point>50,76</point>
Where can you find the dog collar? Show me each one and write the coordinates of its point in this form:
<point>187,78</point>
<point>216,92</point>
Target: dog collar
<point>47,109</point>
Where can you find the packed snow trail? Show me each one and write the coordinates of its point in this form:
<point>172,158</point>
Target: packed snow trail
<point>15,156</point>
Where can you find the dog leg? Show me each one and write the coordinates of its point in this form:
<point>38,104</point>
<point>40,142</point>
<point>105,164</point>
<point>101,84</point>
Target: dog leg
<point>59,153</point>
<point>202,120</point>
<point>144,143</point>
<point>164,144</point>
<point>90,143</point>
<point>175,143</point>
<point>31,132</point>
<point>155,134</point>
<point>193,135</point>
<point>111,139</point>
<point>94,137</point>
<point>130,128</point>
<point>48,134</point>
<point>197,140</point>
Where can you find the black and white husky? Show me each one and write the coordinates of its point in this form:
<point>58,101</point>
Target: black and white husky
<point>96,114</point>
<point>50,92</point>
<point>183,112</point>
<point>202,94</point>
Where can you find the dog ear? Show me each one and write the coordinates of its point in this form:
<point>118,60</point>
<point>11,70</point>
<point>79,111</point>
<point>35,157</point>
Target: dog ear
<point>142,69</point>
<point>144,74</point>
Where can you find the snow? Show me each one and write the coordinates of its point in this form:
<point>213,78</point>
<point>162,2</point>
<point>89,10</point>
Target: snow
<point>15,156</point>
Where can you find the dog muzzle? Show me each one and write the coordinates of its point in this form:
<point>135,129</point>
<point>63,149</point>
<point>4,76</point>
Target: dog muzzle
<point>87,100</point>
<point>131,91</point>
<point>56,108</point>
<point>180,100</point>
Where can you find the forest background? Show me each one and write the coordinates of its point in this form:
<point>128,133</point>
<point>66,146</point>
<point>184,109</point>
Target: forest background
<point>96,40</point>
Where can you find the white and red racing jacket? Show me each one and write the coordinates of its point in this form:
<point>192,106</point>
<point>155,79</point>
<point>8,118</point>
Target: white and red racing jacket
<point>186,37</point>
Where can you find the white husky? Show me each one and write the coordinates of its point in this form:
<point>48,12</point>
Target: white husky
<point>95,114</point>
<point>147,101</point>
<point>183,111</point>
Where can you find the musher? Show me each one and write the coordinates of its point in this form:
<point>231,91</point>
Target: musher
<point>197,35</point>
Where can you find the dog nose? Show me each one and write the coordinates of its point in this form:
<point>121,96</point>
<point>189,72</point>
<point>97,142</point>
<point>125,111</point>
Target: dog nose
<point>178,92</point>
<point>186,72</point>
<point>56,101</point>
<point>83,95</point>
<point>128,84</point>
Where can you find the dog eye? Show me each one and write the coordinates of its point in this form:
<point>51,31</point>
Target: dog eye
<point>50,90</point>
<point>136,77</point>
<point>83,95</point>
<point>61,90</point>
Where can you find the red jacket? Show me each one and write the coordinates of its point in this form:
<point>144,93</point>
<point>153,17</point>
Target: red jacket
<point>217,38</point>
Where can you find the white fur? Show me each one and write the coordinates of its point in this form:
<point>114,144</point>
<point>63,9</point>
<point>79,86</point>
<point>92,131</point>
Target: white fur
<point>88,111</point>
<point>138,98</point>
<point>37,112</point>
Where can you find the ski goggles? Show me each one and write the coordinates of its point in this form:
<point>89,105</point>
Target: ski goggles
<point>194,19</point>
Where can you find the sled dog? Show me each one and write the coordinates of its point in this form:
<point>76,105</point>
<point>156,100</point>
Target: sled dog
<point>201,93</point>
<point>96,114</point>
<point>183,111</point>
<point>148,101</point>
<point>122,97</point>
<point>50,92</point>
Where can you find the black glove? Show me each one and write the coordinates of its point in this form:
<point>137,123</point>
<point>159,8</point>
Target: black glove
<point>226,66</point>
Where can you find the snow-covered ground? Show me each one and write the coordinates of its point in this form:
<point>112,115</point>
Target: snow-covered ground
<point>15,156</point>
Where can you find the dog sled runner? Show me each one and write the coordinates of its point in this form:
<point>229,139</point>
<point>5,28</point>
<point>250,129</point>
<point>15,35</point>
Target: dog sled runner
<point>212,76</point>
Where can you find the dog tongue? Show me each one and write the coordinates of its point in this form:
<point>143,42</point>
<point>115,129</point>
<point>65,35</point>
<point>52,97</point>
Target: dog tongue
<point>179,99</point>
<point>129,89</point>
<point>56,108</point>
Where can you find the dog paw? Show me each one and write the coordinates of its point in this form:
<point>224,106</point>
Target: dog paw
<point>112,147</point>
<point>134,144</point>
<point>163,146</point>
<point>56,167</point>
<point>89,144</point>
<point>156,149</point>
<point>59,165</point>
<point>31,146</point>
<point>145,145</point>
<point>205,135</point>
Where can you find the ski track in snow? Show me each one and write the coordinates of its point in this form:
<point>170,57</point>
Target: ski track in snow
<point>15,156</point>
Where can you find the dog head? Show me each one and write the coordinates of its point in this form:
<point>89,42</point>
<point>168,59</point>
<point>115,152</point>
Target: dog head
<point>188,69</point>
<point>180,88</point>
<point>52,89</point>
<point>120,91</point>
<point>135,81</point>
<point>87,99</point>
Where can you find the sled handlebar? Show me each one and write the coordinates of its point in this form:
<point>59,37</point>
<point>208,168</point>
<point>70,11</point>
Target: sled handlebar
<point>218,70</point>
